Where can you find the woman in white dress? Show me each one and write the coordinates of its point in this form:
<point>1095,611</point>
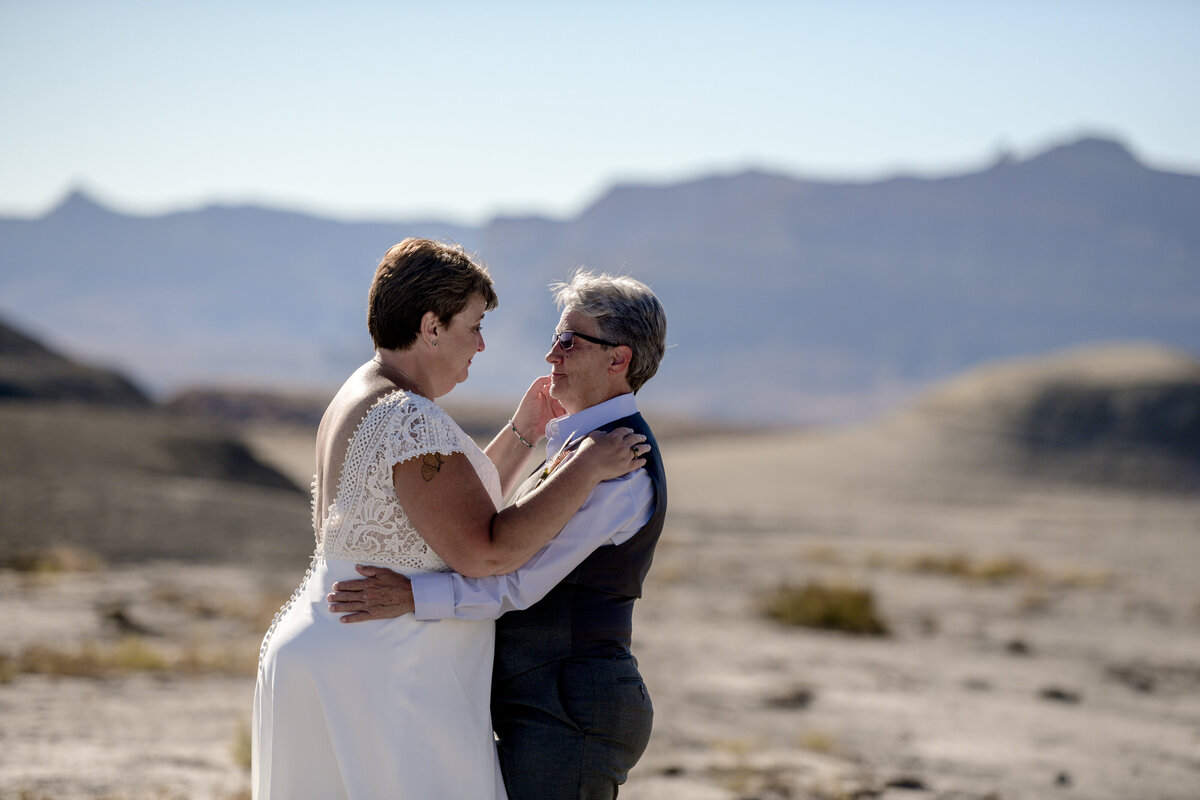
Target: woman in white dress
<point>399,709</point>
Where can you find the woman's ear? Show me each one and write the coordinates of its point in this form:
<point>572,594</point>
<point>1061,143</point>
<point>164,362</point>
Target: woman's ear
<point>429,328</point>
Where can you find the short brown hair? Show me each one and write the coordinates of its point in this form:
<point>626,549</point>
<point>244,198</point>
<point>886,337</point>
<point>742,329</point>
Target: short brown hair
<point>419,275</point>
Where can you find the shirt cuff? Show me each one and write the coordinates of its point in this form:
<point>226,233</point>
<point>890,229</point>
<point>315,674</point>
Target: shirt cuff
<point>433,595</point>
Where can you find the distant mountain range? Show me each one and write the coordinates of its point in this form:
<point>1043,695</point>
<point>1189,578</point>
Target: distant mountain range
<point>788,299</point>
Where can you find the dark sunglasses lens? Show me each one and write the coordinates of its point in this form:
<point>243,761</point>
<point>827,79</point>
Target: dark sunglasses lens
<point>566,340</point>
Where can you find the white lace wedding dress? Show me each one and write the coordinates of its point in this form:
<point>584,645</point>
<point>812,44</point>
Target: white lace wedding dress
<point>395,709</point>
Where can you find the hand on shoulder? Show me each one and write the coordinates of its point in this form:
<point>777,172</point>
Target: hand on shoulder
<point>611,455</point>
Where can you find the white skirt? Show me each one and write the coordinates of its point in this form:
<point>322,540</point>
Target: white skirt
<point>395,709</point>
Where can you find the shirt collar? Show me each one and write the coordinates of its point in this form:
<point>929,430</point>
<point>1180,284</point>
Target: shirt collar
<point>563,430</point>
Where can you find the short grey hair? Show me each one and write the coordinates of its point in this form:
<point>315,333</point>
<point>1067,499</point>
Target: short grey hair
<point>626,311</point>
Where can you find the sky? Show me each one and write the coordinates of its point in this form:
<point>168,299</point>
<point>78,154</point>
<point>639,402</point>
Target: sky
<point>462,111</point>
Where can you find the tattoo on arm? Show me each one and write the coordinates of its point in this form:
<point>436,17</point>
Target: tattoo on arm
<point>431,464</point>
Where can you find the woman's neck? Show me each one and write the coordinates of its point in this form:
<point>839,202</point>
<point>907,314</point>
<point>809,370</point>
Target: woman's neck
<point>403,368</point>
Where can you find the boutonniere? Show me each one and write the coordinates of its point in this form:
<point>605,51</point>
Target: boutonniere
<point>552,464</point>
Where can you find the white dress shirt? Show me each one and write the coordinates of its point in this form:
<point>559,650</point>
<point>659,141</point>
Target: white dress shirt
<point>614,512</point>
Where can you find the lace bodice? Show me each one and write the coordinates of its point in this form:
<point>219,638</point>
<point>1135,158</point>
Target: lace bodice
<point>366,522</point>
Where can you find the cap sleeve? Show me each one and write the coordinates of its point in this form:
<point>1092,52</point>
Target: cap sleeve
<point>419,426</point>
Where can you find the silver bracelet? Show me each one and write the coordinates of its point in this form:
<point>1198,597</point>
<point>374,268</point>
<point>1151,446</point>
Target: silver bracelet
<point>517,433</point>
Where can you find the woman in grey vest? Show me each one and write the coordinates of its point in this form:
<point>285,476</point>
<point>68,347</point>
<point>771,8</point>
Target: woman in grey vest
<point>400,709</point>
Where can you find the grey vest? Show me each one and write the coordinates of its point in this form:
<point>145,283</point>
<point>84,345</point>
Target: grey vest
<point>590,613</point>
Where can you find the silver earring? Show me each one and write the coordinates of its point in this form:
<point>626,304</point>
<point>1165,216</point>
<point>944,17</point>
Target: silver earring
<point>434,343</point>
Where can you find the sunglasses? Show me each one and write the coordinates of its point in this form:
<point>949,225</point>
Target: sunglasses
<point>566,340</point>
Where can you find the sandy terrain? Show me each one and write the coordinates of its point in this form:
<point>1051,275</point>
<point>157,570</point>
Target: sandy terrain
<point>1075,672</point>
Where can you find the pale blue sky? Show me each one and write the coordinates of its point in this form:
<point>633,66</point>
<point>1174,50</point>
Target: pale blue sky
<point>461,110</point>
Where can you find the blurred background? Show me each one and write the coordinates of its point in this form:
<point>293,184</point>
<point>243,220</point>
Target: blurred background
<point>838,204</point>
<point>930,254</point>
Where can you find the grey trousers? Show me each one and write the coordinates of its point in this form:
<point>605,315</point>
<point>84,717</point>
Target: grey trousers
<point>572,729</point>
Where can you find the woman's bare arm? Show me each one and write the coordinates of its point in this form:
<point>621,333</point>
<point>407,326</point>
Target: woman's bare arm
<point>449,507</point>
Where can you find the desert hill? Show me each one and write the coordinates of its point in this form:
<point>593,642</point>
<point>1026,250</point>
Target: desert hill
<point>89,461</point>
<point>1123,415</point>
<point>30,371</point>
<point>138,485</point>
<point>1114,417</point>
<point>251,406</point>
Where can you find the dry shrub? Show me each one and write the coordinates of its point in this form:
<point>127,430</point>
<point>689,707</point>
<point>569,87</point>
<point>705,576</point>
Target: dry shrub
<point>847,609</point>
<point>8,668</point>
<point>1001,569</point>
<point>132,654</point>
<point>52,559</point>
<point>1080,578</point>
<point>957,565</point>
<point>797,698</point>
<point>1034,601</point>
<point>193,604</point>
<point>738,774</point>
<point>198,659</point>
<point>822,554</point>
<point>255,614</point>
<point>817,742</point>
<point>242,747</point>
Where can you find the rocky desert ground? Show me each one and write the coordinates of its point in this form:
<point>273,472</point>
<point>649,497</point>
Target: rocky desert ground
<point>1033,633</point>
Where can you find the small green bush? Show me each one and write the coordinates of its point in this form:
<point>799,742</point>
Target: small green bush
<point>837,608</point>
